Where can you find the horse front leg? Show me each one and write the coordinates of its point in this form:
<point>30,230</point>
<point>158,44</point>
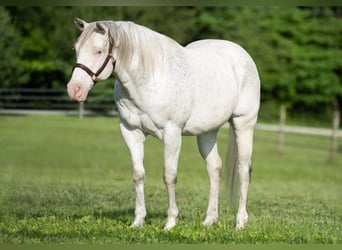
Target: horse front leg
<point>134,139</point>
<point>172,143</point>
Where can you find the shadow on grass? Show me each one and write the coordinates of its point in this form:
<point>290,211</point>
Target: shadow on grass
<point>30,202</point>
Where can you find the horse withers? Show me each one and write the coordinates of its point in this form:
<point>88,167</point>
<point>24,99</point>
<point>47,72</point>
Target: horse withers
<point>167,90</point>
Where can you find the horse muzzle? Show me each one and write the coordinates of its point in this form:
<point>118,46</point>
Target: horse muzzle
<point>77,91</point>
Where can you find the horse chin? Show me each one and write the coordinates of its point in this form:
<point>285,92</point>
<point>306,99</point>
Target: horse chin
<point>77,92</point>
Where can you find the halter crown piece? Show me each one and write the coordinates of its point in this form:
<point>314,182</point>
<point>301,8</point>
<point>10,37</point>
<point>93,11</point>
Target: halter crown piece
<point>94,76</point>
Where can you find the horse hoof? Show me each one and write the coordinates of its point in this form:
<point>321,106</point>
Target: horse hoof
<point>241,220</point>
<point>134,225</point>
<point>137,223</point>
<point>209,221</point>
<point>170,224</point>
<point>239,226</point>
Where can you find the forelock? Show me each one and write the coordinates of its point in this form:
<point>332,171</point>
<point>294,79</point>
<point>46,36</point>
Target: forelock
<point>86,34</point>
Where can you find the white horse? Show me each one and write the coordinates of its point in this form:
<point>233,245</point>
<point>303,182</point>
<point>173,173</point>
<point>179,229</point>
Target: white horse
<point>167,90</point>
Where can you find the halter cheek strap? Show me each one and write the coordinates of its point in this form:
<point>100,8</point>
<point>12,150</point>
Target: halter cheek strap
<point>94,76</point>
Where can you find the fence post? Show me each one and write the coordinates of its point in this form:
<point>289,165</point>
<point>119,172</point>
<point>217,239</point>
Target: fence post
<point>282,119</point>
<point>81,110</point>
<point>335,127</point>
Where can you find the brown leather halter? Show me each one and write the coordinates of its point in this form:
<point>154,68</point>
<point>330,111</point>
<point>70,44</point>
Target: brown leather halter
<point>94,76</point>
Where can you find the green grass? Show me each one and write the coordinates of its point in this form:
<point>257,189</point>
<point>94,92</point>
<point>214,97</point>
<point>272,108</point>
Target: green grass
<point>68,181</point>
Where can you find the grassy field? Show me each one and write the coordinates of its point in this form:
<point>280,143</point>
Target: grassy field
<point>68,181</point>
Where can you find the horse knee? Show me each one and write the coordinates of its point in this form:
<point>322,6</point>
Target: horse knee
<point>170,178</point>
<point>138,175</point>
<point>214,167</point>
<point>245,172</point>
<point>214,161</point>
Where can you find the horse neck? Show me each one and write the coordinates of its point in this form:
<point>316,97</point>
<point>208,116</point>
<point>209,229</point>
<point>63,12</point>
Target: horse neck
<point>141,52</point>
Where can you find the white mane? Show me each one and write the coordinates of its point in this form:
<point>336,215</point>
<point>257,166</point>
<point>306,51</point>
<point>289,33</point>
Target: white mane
<point>138,42</point>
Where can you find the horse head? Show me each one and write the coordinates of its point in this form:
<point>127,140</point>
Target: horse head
<point>94,50</point>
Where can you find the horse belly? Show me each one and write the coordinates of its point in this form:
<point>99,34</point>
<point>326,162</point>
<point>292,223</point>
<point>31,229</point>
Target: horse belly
<point>212,109</point>
<point>202,121</point>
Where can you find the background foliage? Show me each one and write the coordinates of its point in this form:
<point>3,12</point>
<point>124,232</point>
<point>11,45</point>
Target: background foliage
<point>297,50</point>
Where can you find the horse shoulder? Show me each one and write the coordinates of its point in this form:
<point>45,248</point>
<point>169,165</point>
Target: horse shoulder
<point>127,110</point>
<point>135,116</point>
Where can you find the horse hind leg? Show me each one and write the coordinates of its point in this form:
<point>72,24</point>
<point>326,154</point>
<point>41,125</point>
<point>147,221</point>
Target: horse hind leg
<point>244,141</point>
<point>207,144</point>
<point>172,144</point>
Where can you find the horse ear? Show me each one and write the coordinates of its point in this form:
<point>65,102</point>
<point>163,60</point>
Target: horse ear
<point>100,28</point>
<point>111,39</point>
<point>80,24</point>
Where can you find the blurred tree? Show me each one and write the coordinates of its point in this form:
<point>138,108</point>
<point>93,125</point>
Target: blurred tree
<point>317,59</point>
<point>10,68</point>
<point>43,56</point>
<point>297,50</point>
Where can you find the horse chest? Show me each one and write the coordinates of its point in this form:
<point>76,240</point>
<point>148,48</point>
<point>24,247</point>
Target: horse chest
<point>150,108</point>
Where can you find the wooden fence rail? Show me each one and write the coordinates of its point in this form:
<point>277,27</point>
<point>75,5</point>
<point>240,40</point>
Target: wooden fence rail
<point>334,132</point>
<point>54,100</point>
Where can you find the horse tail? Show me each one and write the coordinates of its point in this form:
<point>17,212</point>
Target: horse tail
<point>232,169</point>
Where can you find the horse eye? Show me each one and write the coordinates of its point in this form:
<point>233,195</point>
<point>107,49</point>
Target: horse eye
<point>98,52</point>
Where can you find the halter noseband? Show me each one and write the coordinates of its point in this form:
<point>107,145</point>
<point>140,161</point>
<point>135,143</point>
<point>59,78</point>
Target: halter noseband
<point>94,76</point>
